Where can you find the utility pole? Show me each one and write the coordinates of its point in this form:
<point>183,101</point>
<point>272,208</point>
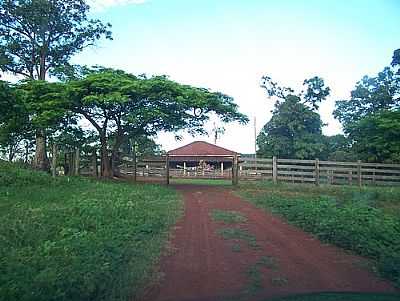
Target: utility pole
<point>255,138</point>
<point>255,143</point>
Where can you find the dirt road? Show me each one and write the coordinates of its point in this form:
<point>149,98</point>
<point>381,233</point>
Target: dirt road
<point>202,265</point>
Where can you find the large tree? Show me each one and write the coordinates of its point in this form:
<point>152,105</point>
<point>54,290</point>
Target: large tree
<point>371,94</point>
<point>121,105</point>
<point>369,116</point>
<point>40,36</point>
<point>295,129</point>
<point>376,137</point>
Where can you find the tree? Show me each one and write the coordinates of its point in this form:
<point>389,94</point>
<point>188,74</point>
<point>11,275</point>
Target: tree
<point>295,129</point>
<point>40,36</point>
<point>119,105</point>
<point>371,94</point>
<point>13,121</point>
<point>376,137</point>
<point>396,60</point>
<point>315,92</point>
<point>337,148</point>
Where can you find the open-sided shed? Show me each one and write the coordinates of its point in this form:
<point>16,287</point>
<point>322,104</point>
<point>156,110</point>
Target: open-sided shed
<point>201,154</point>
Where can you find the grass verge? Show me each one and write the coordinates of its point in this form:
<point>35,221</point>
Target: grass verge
<point>79,239</point>
<point>348,218</point>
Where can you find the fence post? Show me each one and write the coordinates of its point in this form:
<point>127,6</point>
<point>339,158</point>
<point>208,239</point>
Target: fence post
<point>235,170</point>
<point>77,161</point>
<point>274,170</point>
<point>134,163</point>
<point>54,161</point>
<point>167,169</point>
<point>317,172</point>
<point>359,175</point>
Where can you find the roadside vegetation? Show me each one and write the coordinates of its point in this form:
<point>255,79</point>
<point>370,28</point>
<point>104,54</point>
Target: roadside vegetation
<point>79,239</point>
<point>365,221</point>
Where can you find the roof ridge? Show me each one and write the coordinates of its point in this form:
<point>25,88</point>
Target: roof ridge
<point>214,146</point>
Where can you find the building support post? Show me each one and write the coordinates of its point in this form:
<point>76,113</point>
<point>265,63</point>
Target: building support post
<point>222,169</point>
<point>184,168</point>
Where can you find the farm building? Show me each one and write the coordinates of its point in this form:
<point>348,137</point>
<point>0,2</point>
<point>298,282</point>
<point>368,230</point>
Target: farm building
<point>201,155</point>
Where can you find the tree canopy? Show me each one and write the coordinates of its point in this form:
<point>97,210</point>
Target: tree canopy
<point>118,105</point>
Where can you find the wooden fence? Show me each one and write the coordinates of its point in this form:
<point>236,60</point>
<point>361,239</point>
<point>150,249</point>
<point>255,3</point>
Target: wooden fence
<point>278,170</point>
<point>320,172</point>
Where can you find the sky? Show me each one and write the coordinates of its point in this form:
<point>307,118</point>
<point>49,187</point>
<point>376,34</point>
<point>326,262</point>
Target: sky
<point>228,45</point>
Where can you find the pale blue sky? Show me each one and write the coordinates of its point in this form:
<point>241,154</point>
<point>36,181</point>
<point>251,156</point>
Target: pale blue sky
<point>227,45</point>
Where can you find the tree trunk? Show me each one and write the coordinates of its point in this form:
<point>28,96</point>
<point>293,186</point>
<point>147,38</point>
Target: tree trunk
<point>94,162</point>
<point>41,161</point>
<point>76,162</point>
<point>106,170</point>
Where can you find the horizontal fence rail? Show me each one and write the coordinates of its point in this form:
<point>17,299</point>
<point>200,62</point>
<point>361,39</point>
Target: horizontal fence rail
<point>320,172</point>
<point>278,170</point>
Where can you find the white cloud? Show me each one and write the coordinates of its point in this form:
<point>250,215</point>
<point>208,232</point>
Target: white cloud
<point>102,4</point>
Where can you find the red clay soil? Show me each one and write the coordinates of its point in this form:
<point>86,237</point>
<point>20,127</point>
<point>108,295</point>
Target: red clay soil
<point>203,265</point>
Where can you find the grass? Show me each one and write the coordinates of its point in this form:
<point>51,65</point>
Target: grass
<point>254,273</point>
<point>79,239</point>
<point>357,220</point>
<point>239,234</point>
<point>340,297</point>
<point>206,182</point>
<point>227,216</point>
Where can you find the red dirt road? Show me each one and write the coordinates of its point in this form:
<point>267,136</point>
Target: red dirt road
<point>203,266</point>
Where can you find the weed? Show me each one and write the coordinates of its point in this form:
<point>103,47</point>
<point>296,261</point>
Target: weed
<point>279,281</point>
<point>241,234</point>
<point>236,248</point>
<point>228,216</point>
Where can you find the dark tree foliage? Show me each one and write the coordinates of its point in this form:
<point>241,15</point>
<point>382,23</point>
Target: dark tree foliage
<point>37,36</point>
<point>376,137</point>
<point>370,95</point>
<point>294,131</point>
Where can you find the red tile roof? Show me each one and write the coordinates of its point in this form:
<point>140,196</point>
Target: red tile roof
<point>201,148</point>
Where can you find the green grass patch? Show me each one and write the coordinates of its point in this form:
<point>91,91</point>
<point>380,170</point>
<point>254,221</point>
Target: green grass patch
<point>348,218</point>
<point>239,234</point>
<point>79,239</point>
<point>206,182</point>
<point>340,297</point>
<point>236,248</point>
<point>254,273</point>
<point>227,216</point>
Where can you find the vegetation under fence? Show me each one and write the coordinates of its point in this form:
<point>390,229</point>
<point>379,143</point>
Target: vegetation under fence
<point>79,239</point>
